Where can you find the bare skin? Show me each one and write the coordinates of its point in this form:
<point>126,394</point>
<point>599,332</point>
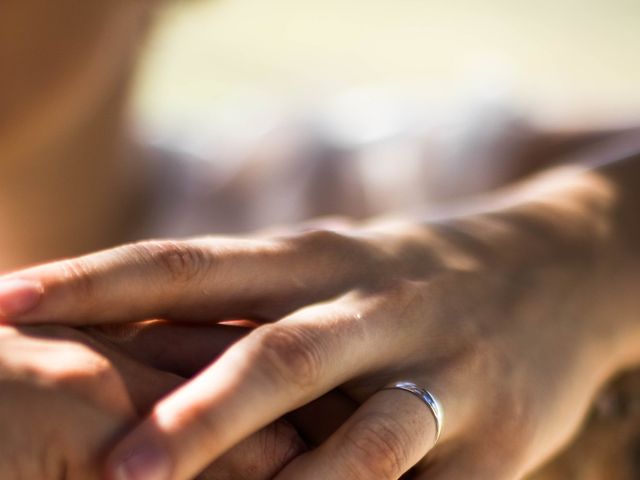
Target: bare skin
<point>67,395</point>
<point>532,294</point>
<point>63,400</point>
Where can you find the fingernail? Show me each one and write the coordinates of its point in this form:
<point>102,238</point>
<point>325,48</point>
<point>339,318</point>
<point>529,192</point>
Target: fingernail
<point>17,297</point>
<point>145,463</point>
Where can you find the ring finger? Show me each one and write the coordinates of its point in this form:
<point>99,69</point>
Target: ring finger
<point>386,437</point>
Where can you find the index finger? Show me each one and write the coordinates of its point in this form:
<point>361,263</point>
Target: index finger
<point>200,279</point>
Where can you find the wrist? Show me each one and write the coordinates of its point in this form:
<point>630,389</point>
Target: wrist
<point>575,218</point>
<point>559,227</point>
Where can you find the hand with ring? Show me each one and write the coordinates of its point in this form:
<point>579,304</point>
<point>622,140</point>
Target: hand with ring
<point>473,345</point>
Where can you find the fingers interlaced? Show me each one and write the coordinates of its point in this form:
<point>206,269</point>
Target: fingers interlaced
<point>260,456</point>
<point>271,372</point>
<point>180,348</point>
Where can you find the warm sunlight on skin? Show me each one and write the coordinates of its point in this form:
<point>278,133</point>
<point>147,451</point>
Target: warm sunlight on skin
<point>538,311</point>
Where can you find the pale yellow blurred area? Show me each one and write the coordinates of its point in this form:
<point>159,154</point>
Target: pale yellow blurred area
<point>564,59</point>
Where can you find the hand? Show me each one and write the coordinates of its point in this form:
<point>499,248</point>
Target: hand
<point>497,314</point>
<point>61,404</point>
<point>67,395</point>
<point>193,347</point>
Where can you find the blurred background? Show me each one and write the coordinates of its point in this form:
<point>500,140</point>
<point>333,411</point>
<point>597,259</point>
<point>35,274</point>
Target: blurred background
<point>558,61</point>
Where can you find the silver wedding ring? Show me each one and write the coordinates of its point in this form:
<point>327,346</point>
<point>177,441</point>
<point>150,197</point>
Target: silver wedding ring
<point>427,397</point>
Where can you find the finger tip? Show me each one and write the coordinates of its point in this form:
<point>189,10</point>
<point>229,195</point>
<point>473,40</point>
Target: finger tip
<point>142,462</point>
<point>18,297</point>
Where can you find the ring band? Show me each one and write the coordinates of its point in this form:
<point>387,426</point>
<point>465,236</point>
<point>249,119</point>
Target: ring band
<point>427,397</point>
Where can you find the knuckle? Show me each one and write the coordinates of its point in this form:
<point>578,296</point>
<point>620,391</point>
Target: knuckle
<point>181,261</point>
<point>290,352</point>
<point>83,370</point>
<point>79,275</point>
<point>335,248</point>
<point>77,367</point>
<point>376,448</point>
<point>280,444</point>
<point>259,456</point>
<point>322,238</point>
